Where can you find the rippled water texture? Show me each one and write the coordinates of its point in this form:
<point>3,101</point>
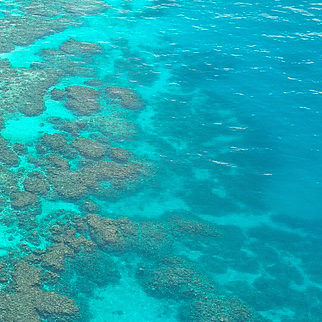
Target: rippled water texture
<point>160,161</point>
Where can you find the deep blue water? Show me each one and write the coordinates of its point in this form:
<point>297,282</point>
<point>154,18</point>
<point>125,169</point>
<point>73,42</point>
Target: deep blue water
<point>160,161</point>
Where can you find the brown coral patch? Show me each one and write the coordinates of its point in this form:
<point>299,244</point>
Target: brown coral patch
<point>69,184</point>
<point>127,97</point>
<point>58,94</point>
<point>58,162</point>
<point>8,156</point>
<point>55,141</point>
<point>36,183</point>
<point>54,257</point>
<point>217,309</point>
<point>185,223</point>
<point>23,199</point>
<point>25,301</point>
<point>114,126</point>
<point>119,154</point>
<point>89,148</point>
<point>75,47</point>
<point>83,100</point>
<point>24,89</point>
<point>175,277</point>
<point>112,234</point>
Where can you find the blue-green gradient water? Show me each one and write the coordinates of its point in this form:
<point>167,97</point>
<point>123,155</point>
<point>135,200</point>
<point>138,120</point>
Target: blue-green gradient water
<point>160,161</point>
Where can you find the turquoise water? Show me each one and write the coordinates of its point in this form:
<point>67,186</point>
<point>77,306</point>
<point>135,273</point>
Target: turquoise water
<point>160,161</point>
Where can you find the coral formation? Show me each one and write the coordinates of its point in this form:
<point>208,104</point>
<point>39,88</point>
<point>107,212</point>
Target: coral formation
<point>155,239</point>
<point>25,301</point>
<point>59,257</point>
<point>36,183</point>
<point>175,278</point>
<point>24,30</point>
<point>58,94</point>
<point>187,224</point>
<point>7,155</point>
<point>89,148</point>
<point>126,96</point>
<point>55,142</point>
<point>23,199</point>
<point>24,89</point>
<point>217,309</point>
<point>97,268</point>
<point>119,154</point>
<point>69,184</point>
<point>58,162</point>
<point>113,126</point>
<point>75,47</point>
<point>88,206</point>
<point>112,235</point>
<point>54,258</point>
<point>82,100</point>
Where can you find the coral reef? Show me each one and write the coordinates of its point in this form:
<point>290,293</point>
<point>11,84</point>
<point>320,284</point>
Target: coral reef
<point>24,89</point>
<point>8,181</point>
<point>175,278</point>
<point>89,206</point>
<point>55,142</point>
<point>217,309</point>
<point>114,126</point>
<point>23,199</point>
<point>119,154</point>
<point>114,235</point>
<point>7,155</point>
<point>58,94</point>
<point>36,183</point>
<point>126,96</point>
<point>24,30</point>
<point>58,162</point>
<point>89,148</point>
<point>82,100</point>
<point>54,258</point>
<point>61,257</point>
<point>86,7</point>
<point>69,184</point>
<point>75,47</point>
<point>155,239</point>
<point>25,301</point>
<point>187,224</point>
<point>97,268</point>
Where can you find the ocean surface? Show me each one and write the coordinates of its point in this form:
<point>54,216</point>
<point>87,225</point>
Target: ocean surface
<point>160,161</point>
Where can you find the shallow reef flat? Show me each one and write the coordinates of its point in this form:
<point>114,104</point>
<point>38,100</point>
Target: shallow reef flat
<point>120,180</point>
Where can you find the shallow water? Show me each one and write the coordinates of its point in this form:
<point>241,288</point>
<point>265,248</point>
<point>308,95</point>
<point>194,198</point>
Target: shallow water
<point>160,161</point>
